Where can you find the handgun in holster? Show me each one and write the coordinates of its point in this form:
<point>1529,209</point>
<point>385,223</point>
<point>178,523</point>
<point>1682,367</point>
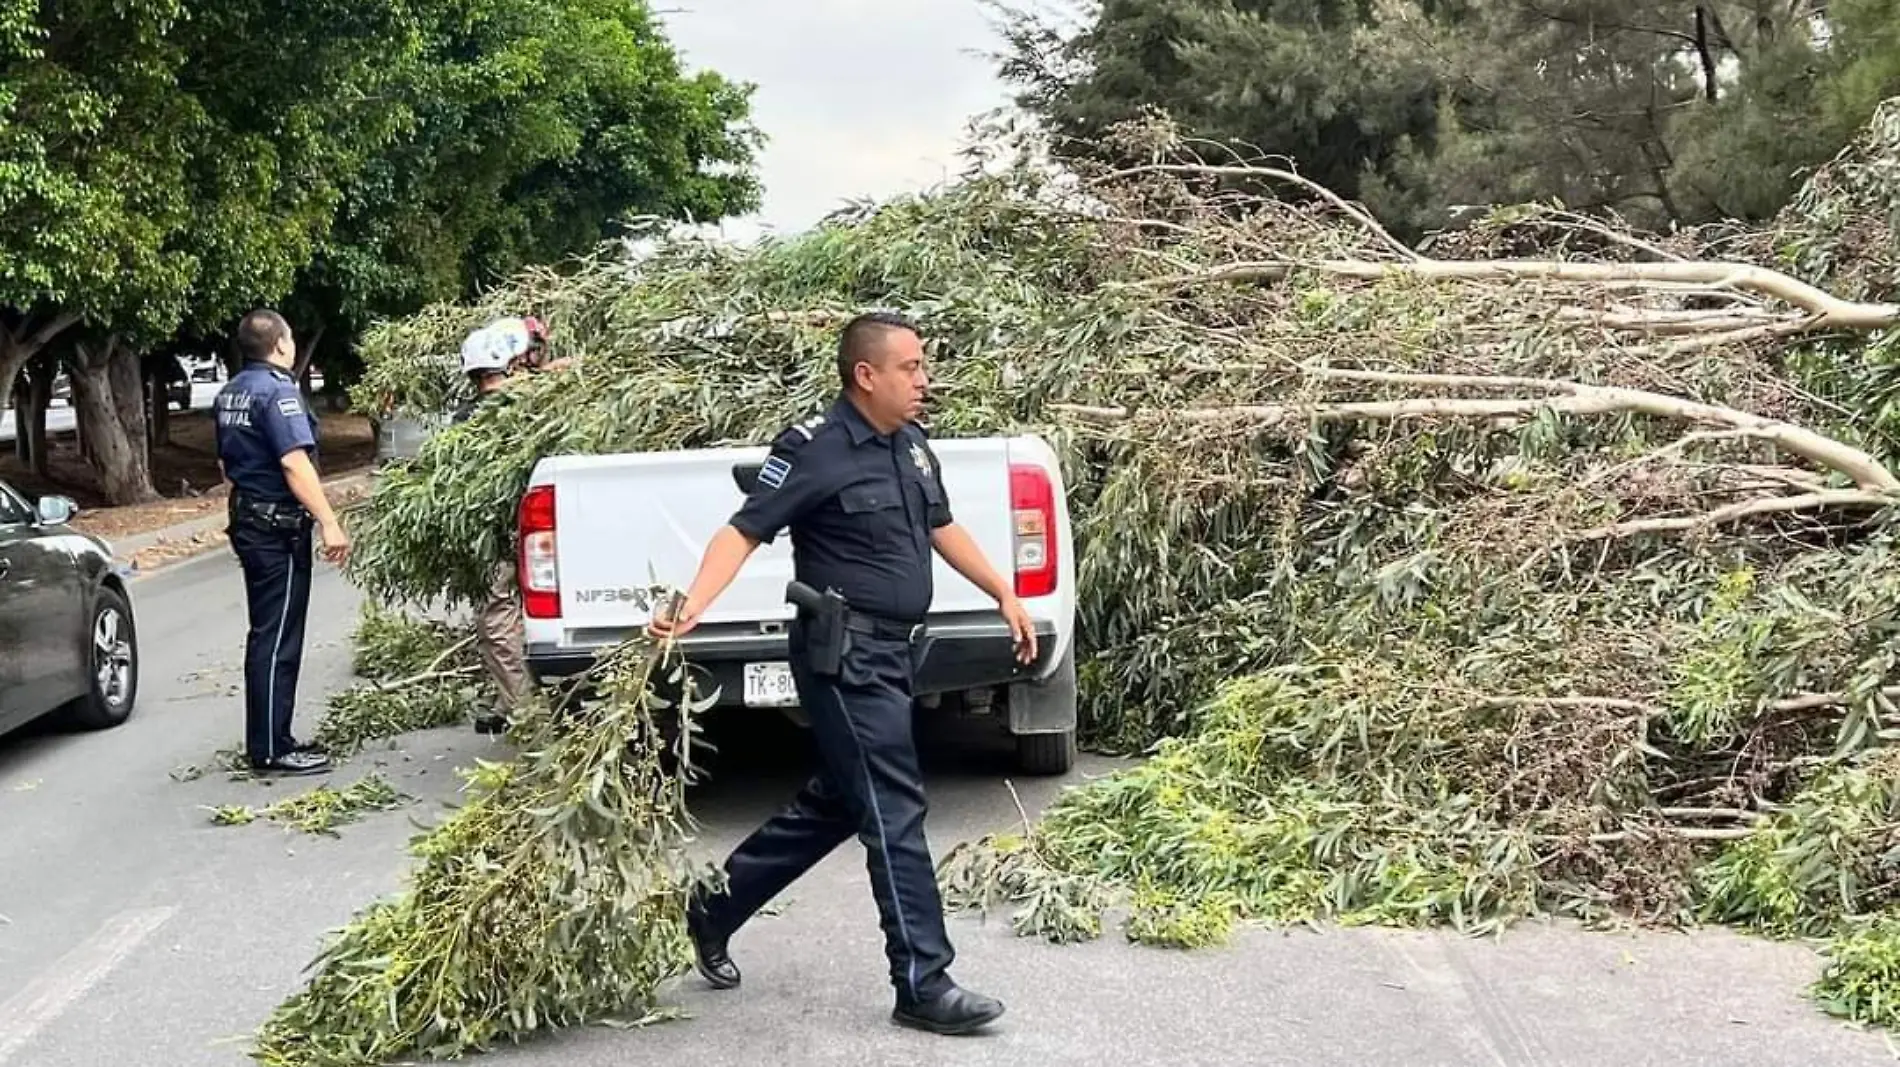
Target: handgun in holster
<point>824,618</point>
<point>265,515</point>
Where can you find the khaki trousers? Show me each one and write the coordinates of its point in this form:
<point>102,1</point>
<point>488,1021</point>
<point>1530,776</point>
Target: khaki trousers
<point>498,637</point>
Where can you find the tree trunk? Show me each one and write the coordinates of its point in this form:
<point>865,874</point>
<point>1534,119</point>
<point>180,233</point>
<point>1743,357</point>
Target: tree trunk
<point>40,397</point>
<point>18,399</point>
<point>111,408</point>
<point>29,413</point>
<point>159,419</point>
<point>307,354</point>
<point>13,357</point>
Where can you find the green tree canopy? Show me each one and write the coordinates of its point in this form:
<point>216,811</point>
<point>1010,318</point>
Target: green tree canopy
<point>164,166</point>
<point>540,127</point>
<point>1667,113</point>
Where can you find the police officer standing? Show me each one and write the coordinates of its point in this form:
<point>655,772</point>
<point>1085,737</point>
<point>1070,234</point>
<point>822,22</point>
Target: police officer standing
<point>861,492</point>
<point>266,448</point>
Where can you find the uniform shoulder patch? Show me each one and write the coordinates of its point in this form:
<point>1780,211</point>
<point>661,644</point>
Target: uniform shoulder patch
<point>289,406</point>
<point>772,473</point>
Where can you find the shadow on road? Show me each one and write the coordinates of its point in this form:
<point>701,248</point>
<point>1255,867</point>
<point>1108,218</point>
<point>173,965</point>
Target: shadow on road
<point>762,758</point>
<point>23,743</point>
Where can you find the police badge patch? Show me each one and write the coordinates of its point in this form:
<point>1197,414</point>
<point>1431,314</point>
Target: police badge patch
<point>772,474</point>
<point>918,457</point>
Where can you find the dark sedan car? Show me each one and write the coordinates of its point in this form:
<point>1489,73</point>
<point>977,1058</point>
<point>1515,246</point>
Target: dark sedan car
<point>67,641</point>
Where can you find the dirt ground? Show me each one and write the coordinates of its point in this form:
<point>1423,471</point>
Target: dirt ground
<point>185,471</point>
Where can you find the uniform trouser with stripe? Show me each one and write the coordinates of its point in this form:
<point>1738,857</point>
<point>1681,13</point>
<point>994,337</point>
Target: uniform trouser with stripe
<point>277,566</point>
<point>868,784</point>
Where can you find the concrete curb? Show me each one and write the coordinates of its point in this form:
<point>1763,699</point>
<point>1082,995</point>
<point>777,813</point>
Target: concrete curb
<point>142,555</point>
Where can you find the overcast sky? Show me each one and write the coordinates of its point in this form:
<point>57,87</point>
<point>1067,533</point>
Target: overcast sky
<point>856,97</point>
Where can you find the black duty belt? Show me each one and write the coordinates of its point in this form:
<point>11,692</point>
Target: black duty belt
<point>880,626</point>
<point>270,514</point>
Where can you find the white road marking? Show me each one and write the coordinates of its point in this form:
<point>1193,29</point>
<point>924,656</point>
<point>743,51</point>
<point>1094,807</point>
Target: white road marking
<point>52,993</point>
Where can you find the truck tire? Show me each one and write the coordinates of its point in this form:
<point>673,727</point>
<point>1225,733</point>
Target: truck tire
<point>1045,754</point>
<point>1043,718</point>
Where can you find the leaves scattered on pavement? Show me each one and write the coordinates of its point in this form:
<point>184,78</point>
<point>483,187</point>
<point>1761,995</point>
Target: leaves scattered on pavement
<point>320,810</point>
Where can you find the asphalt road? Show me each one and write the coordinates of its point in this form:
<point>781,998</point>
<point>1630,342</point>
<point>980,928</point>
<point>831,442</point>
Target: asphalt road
<point>134,931</point>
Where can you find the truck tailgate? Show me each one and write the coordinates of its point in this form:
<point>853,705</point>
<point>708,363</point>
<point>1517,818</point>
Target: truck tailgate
<point>627,520</point>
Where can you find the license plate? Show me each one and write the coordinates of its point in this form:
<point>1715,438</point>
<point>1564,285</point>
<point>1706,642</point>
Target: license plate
<point>769,685</point>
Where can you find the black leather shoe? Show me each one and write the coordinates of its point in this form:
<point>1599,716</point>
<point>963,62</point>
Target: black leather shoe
<point>710,959</point>
<point>491,724</point>
<point>958,1011</point>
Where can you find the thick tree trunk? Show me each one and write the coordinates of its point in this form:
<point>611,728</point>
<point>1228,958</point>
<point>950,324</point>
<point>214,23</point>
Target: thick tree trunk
<point>111,405</point>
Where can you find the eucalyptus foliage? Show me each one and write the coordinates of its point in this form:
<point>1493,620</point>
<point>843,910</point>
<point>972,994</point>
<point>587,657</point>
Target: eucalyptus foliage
<point>418,674</point>
<point>1418,642</point>
<point>553,896</point>
<point>320,810</point>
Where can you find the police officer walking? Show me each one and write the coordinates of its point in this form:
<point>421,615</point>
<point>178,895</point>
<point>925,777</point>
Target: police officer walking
<point>861,492</point>
<point>266,448</point>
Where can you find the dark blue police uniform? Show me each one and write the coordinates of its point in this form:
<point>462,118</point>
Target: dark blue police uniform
<point>860,506</point>
<point>261,417</point>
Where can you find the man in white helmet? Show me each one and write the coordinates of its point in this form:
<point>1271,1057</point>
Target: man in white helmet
<point>490,357</point>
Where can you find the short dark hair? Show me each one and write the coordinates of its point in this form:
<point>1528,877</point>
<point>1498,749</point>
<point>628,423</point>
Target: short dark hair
<point>861,339</point>
<point>259,332</point>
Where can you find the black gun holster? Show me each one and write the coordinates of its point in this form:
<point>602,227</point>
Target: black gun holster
<point>268,515</point>
<point>824,616</point>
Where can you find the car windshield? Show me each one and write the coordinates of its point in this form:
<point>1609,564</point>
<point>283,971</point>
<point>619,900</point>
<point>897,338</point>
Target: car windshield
<point>13,510</point>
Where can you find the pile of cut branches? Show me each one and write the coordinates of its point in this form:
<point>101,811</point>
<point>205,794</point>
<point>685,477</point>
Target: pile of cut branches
<point>1549,568</point>
<point>553,896</point>
<point>418,674</point>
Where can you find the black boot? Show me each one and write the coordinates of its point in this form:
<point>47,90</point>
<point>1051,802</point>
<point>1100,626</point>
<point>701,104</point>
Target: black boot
<point>710,959</point>
<point>491,724</point>
<point>957,1011</point>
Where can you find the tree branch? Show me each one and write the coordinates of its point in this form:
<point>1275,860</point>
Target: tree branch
<point>1826,309</point>
<point>1810,701</point>
<point>1274,174</point>
<point>1676,322</point>
<point>1687,833</point>
<point>1864,469</point>
<point>1739,510</point>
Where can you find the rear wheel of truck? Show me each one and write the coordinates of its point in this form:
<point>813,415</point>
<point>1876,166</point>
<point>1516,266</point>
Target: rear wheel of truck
<point>1045,754</point>
<point>1043,718</point>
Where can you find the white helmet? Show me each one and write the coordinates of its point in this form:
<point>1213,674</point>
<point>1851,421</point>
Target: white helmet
<point>493,347</point>
<point>485,352</point>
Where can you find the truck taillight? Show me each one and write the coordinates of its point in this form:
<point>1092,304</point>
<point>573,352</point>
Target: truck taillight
<point>1032,501</point>
<point>539,574</point>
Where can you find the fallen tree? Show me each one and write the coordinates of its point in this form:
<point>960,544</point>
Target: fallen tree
<point>1549,569</point>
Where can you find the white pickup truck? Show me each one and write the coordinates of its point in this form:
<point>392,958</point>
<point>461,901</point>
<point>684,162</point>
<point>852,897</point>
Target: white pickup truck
<point>597,531</point>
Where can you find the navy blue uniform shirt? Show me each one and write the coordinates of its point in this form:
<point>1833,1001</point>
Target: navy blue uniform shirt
<point>860,506</point>
<point>261,419</point>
